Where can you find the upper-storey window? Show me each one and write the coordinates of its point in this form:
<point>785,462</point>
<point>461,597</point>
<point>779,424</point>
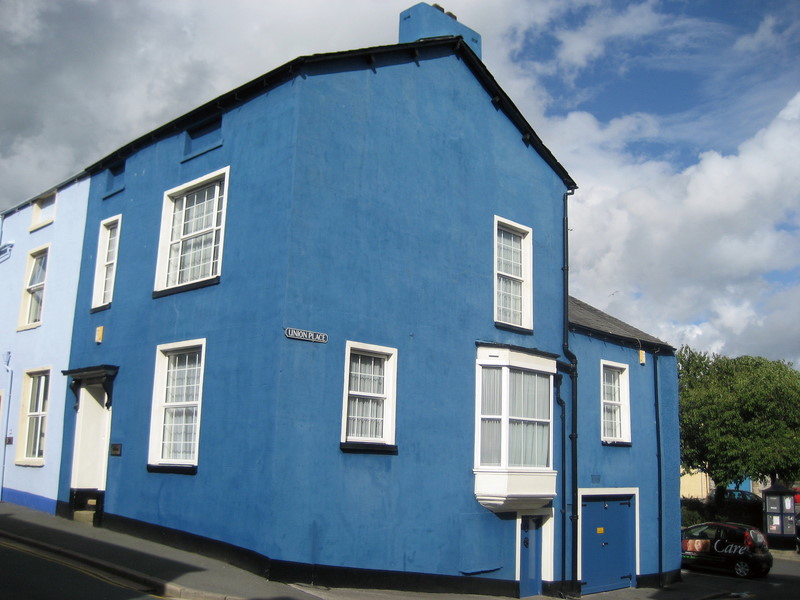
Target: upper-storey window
<point>615,402</point>
<point>513,279</point>
<point>33,296</point>
<point>192,231</point>
<point>44,212</point>
<point>106,265</point>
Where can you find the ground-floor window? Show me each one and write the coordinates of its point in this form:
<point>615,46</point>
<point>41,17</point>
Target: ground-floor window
<point>177,400</point>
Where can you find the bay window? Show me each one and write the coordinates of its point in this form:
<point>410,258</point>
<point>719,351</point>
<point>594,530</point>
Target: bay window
<point>514,428</point>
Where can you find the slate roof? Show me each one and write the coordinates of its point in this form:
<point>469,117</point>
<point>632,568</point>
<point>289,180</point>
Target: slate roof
<point>594,321</point>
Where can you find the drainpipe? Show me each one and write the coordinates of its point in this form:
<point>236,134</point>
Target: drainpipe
<point>6,361</point>
<point>573,374</point>
<point>659,467</point>
<point>563,406</point>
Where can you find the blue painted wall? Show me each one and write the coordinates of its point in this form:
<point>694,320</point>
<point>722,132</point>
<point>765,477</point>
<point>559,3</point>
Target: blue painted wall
<point>360,204</point>
<point>634,466</point>
<point>43,347</point>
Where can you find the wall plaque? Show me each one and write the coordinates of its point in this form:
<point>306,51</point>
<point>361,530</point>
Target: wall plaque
<point>306,336</point>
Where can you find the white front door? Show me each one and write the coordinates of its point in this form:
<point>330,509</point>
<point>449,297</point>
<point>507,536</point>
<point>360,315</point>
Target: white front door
<point>92,432</point>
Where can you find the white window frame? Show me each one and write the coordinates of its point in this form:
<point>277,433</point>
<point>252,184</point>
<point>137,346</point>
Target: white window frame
<point>44,212</point>
<point>30,291</point>
<point>160,404</point>
<point>106,264</point>
<point>507,360</point>
<point>524,278</point>
<point>624,402</point>
<point>36,413</point>
<point>166,242</point>
<point>388,396</point>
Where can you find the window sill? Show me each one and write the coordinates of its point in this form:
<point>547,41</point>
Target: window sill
<point>174,469</point>
<point>100,308</point>
<point>515,328</point>
<point>186,287</point>
<point>367,448</point>
<point>30,462</point>
<point>504,490</point>
<point>29,326</point>
<point>616,443</point>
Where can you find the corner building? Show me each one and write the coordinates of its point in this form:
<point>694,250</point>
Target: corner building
<point>336,341</point>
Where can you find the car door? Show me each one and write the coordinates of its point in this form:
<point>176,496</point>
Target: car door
<point>697,545</point>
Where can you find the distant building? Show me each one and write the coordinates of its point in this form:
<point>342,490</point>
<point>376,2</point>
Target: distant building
<point>336,341</point>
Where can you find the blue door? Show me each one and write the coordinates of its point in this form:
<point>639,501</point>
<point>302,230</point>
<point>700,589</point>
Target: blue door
<point>608,543</point>
<point>530,569</point>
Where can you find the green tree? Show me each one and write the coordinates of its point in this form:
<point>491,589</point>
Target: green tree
<point>739,417</point>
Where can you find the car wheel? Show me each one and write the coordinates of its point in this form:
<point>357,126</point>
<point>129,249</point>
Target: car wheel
<point>742,568</point>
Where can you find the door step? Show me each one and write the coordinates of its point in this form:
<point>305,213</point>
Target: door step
<point>84,516</point>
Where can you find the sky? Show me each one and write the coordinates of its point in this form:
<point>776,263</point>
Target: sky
<point>678,119</point>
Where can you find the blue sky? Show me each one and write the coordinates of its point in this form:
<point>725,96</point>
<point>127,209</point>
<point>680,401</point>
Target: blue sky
<point>679,119</point>
<point>686,59</point>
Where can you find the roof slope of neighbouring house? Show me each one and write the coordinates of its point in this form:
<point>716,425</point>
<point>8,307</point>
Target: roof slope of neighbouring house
<point>590,320</point>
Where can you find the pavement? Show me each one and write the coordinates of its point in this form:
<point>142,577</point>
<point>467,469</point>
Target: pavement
<point>172,573</point>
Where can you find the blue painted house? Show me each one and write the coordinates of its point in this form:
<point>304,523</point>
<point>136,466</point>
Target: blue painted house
<point>333,341</point>
<point>41,241</point>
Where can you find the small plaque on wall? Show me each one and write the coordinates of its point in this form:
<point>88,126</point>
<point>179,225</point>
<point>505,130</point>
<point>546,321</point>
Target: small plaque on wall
<point>305,335</point>
<point>116,450</point>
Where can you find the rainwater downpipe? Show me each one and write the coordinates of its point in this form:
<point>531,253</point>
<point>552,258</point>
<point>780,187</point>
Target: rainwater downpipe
<point>573,374</point>
<point>563,406</point>
<point>7,408</point>
<point>659,468</point>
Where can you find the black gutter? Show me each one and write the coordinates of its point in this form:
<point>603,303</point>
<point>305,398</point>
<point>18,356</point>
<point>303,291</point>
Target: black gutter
<point>621,340</point>
<point>573,374</point>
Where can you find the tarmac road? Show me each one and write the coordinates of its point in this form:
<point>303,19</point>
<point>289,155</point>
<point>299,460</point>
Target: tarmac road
<point>29,574</point>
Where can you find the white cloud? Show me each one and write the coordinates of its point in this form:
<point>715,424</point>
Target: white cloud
<point>691,248</point>
<point>766,36</point>
<point>582,45</point>
<point>19,19</point>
